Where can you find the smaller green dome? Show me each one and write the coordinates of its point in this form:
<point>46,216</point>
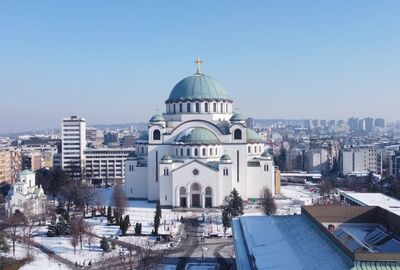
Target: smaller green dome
<point>166,157</point>
<point>252,136</point>
<point>157,118</point>
<point>237,117</point>
<point>265,154</point>
<point>26,172</point>
<point>197,136</point>
<point>225,157</point>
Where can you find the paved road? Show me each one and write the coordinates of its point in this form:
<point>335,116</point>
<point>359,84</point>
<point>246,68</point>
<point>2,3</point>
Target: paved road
<point>192,250</point>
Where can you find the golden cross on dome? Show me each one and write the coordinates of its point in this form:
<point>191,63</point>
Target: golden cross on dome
<point>198,63</point>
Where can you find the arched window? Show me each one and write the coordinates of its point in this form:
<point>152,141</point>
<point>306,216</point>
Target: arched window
<point>204,151</point>
<point>166,171</point>
<point>174,108</point>
<point>197,107</point>
<point>259,149</point>
<point>208,191</point>
<point>226,107</point>
<point>210,151</point>
<point>206,107</point>
<point>182,191</point>
<point>222,107</point>
<point>255,149</point>
<point>188,152</point>
<point>248,149</point>
<point>237,134</point>
<point>214,107</point>
<point>225,171</point>
<point>181,151</point>
<point>156,135</point>
<point>180,107</point>
<point>216,151</point>
<point>196,152</point>
<point>188,107</point>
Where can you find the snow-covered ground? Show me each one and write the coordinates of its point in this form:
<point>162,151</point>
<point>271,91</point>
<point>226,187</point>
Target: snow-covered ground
<point>40,260</point>
<point>293,197</point>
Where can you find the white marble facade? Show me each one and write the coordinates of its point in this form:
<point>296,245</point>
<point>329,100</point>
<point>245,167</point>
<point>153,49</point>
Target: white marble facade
<point>195,153</point>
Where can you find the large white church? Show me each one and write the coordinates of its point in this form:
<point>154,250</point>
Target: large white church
<point>195,153</point>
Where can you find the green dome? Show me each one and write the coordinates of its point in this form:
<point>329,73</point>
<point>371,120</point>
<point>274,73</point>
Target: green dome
<point>166,157</point>
<point>237,117</point>
<point>252,136</point>
<point>225,157</point>
<point>198,87</point>
<point>197,136</point>
<point>157,118</point>
<point>26,172</point>
<point>144,137</point>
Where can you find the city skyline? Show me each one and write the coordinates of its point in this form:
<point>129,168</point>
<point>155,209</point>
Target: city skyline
<point>300,61</point>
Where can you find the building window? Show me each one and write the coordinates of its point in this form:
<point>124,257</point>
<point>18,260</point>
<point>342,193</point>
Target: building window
<point>196,152</point>
<point>225,172</point>
<point>216,151</point>
<point>204,151</point>
<point>214,107</point>
<point>265,167</point>
<point>156,135</point>
<point>188,152</point>
<point>166,197</point>
<point>181,151</point>
<point>174,108</point>
<point>206,107</point>
<point>255,149</point>
<point>180,107</point>
<point>188,107</point>
<point>131,190</point>
<point>210,151</point>
<point>237,134</point>
<point>222,107</point>
<point>197,107</point>
<point>249,149</point>
<point>166,171</point>
<point>227,107</point>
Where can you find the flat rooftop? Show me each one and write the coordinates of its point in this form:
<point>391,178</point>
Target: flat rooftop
<point>373,199</point>
<point>284,242</point>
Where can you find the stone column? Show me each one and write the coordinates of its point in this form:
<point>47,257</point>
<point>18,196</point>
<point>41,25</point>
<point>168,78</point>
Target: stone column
<point>188,200</point>
<point>203,199</point>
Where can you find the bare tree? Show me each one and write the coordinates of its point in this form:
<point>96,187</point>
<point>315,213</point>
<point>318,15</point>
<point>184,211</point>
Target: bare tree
<point>119,201</point>
<point>78,230</point>
<point>89,235</point>
<point>31,218</point>
<point>267,202</point>
<point>15,221</point>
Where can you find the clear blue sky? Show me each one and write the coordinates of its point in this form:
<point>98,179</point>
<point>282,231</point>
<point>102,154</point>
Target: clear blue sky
<point>117,61</point>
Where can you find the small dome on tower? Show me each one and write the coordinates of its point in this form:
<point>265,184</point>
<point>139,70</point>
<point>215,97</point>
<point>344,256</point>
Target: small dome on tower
<point>237,117</point>
<point>197,136</point>
<point>157,118</point>
<point>225,158</point>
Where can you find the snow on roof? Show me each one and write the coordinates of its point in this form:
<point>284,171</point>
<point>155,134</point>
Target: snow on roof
<point>283,242</point>
<point>374,199</point>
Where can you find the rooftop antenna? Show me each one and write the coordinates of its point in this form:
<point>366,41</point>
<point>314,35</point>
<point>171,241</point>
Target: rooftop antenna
<point>198,63</point>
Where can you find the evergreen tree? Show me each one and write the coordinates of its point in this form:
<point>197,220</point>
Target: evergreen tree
<point>104,244</point>
<point>235,204</point>
<point>226,220</point>
<point>4,247</point>
<point>157,218</point>
<point>109,215</point>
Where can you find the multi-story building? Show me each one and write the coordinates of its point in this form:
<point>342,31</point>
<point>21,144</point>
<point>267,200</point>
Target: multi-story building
<point>10,164</point>
<point>294,160</point>
<point>317,160</point>
<point>361,159</point>
<point>94,136</point>
<point>380,123</point>
<point>32,160</point>
<point>106,164</point>
<point>353,124</point>
<point>73,145</point>
<point>369,124</point>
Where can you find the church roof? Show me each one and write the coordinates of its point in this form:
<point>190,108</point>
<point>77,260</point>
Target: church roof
<point>26,172</point>
<point>198,87</point>
<point>252,136</point>
<point>197,136</point>
<point>237,117</point>
<point>157,118</point>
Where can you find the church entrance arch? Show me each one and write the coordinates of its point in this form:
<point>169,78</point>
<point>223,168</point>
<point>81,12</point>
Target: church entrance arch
<point>195,193</point>
<point>182,197</point>
<point>208,195</point>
